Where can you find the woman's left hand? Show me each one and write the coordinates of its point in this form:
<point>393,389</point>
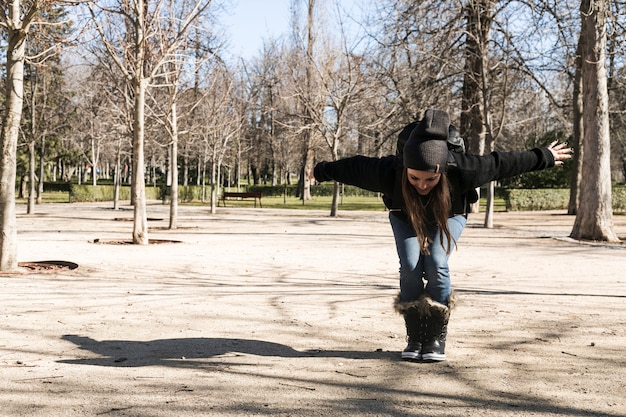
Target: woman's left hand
<point>560,151</point>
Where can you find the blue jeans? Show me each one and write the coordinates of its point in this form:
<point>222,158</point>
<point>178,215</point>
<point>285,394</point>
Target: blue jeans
<point>416,267</point>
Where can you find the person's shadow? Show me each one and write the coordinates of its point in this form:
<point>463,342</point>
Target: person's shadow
<point>177,352</point>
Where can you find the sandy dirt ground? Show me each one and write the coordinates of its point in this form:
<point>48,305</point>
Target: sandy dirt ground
<point>257,312</point>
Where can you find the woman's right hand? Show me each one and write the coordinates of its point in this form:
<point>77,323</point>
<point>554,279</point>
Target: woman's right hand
<point>560,152</point>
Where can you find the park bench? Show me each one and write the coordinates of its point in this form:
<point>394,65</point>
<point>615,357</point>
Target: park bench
<point>242,196</point>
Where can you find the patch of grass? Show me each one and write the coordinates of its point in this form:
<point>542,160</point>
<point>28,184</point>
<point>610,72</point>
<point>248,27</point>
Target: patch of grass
<point>498,204</point>
<point>348,203</point>
<point>316,203</point>
<point>345,203</point>
<point>49,197</point>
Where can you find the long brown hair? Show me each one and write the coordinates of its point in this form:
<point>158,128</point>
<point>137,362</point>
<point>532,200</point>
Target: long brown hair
<point>438,202</point>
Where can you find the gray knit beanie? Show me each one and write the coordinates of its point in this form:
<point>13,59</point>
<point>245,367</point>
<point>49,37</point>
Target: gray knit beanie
<point>427,147</point>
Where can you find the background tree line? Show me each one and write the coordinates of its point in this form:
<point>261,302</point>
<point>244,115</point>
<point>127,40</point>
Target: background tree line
<point>146,91</point>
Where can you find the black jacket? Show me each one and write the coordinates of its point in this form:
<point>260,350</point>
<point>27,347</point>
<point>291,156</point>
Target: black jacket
<point>465,173</point>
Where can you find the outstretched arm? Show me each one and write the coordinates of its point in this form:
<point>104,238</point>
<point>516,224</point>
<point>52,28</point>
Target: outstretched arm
<point>477,170</point>
<point>373,174</point>
<point>560,152</point>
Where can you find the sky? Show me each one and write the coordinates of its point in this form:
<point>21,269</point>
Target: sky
<point>249,22</point>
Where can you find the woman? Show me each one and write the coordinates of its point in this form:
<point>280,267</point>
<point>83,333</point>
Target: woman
<point>427,191</point>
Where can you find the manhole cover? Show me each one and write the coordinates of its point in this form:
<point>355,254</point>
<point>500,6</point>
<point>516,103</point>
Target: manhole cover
<point>43,267</point>
<point>130,242</point>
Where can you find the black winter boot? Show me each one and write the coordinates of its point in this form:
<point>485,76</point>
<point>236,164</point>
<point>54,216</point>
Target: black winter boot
<point>435,318</point>
<point>413,324</point>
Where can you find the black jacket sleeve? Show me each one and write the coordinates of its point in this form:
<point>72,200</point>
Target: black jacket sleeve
<point>476,170</point>
<point>372,174</point>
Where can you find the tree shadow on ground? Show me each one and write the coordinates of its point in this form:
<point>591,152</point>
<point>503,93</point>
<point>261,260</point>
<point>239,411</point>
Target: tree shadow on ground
<point>181,352</point>
<point>226,354</point>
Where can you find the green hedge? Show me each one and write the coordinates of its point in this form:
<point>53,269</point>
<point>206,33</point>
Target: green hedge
<point>619,198</point>
<point>318,190</point>
<point>186,193</point>
<point>515,199</point>
<point>552,198</point>
<point>86,193</point>
<point>56,187</point>
<point>536,199</point>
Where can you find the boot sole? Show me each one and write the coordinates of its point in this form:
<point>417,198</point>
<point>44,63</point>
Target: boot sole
<point>433,357</point>
<point>410,356</point>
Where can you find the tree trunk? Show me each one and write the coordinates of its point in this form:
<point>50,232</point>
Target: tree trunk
<point>174,170</point>
<point>594,219</point>
<point>307,167</point>
<point>139,85</point>
<point>238,167</point>
<point>213,181</point>
<point>117,180</point>
<point>94,162</point>
<point>203,175</point>
<point>199,171</point>
<point>140,219</point>
<point>14,99</point>
<point>32,178</point>
<point>308,155</point>
<point>334,207</point>
<point>490,139</point>
<point>42,170</point>
<point>491,195</point>
<point>479,17</point>
<point>185,170</point>
<point>577,141</point>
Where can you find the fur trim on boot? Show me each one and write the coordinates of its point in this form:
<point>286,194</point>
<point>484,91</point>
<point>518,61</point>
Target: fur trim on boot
<point>413,324</point>
<point>423,304</point>
<point>452,300</point>
<point>402,307</point>
<point>427,307</point>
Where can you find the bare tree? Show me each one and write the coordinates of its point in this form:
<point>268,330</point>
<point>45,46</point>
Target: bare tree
<point>47,110</point>
<point>479,15</point>
<point>91,114</point>
<point>193,50</point>
<point>16,20</point>
<point>273,103</point>
<point>101,129</point>
<point>265,83</point>
<point>305,84</point>
<point>132,61</point>
<point>616,83</point>
<point>594,218</point>
<point>140,60</point>
<point>341,86</point>
<point>415,64</point>
<point>223,119</point>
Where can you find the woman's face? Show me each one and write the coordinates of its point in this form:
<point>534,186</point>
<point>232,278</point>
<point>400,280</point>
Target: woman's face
<point>422,181</point>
